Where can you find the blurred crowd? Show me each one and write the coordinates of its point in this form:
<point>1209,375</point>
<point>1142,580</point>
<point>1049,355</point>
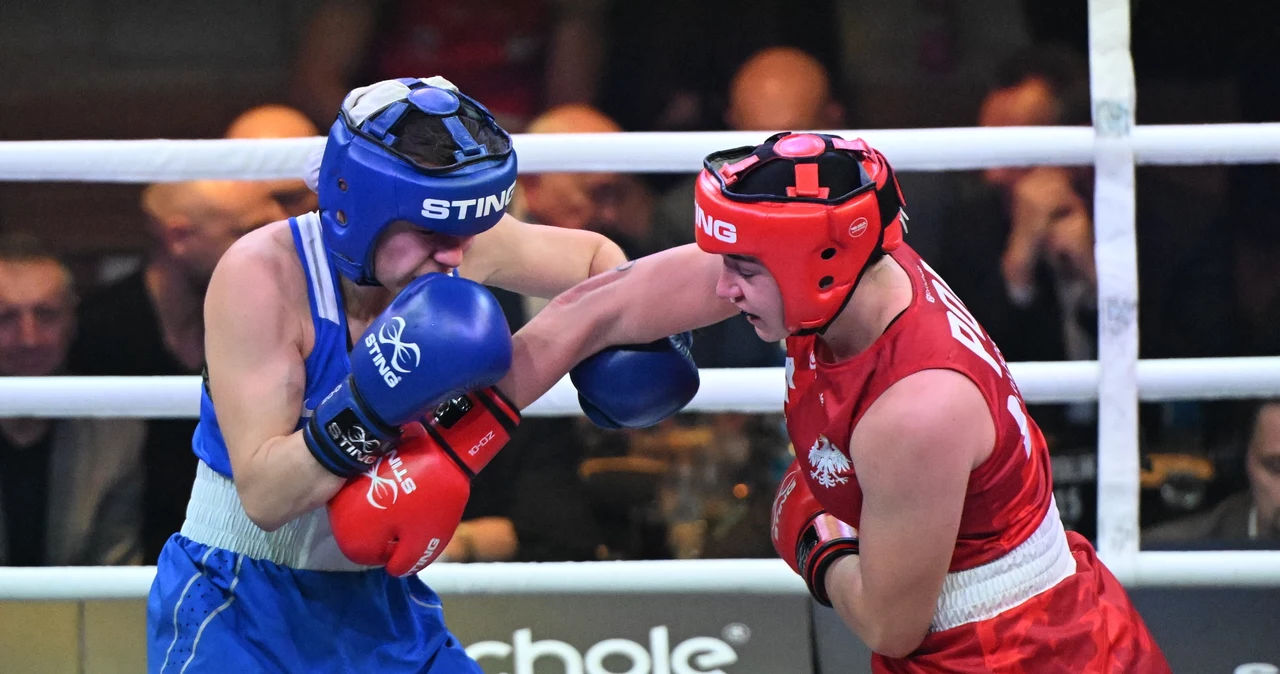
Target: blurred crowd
<point>1015,244</point>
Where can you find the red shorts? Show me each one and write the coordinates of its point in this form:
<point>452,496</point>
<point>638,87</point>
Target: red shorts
<point>1083,624</point>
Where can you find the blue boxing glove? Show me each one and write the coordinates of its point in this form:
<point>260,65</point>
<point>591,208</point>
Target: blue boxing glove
<point>440,337</point>
<point>637,385</point>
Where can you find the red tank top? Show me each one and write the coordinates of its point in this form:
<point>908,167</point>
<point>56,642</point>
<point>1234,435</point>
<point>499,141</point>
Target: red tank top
<point>1008,495</point>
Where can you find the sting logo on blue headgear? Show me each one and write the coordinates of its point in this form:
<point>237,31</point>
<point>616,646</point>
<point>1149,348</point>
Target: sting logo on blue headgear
<point>365,183</point>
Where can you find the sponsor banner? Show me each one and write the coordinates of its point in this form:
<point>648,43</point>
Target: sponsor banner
<point>1214,629</point>
<point>1233,631</point>
<point>1228,630</point>
<point>634,634</point>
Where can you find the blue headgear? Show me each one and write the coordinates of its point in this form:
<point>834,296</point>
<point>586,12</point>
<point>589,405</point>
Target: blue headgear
<point>365,184</point>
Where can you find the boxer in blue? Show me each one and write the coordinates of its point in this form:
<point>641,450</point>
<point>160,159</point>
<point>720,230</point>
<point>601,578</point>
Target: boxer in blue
<point>352,362</point>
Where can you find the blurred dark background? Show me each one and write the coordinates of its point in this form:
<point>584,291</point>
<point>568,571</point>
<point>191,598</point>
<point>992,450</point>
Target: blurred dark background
<point>1208,240</point>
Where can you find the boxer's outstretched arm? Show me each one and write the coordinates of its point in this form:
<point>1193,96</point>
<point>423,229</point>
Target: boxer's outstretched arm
<point>538,260</point>
<point>639,302</point>
<point>256,380</point>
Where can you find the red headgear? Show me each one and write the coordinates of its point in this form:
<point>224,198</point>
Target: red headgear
<point>813,208</point>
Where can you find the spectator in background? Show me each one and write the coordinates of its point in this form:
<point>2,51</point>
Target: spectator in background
<point>151,323</point>
<point>782,88</point>
<point>1019,247</point>
<point>279,121</point>
<point>614,204</point>
<point>531,503</point>
<point>1031,228</point>
<point>518,56</point>
<point>1250,517</point>
<point>669,60</point>
<point>620,481</point>
<point>788,89</point>
<point>70,489</point>
<point>777,89</point>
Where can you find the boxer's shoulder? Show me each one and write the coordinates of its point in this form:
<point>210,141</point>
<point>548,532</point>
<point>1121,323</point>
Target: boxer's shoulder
<point>260,278</point>
<point>270,244</point>
<point>265,255</point>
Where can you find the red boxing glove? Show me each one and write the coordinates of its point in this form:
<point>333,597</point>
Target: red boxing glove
<point>806,536</point>
<point>403,511</point>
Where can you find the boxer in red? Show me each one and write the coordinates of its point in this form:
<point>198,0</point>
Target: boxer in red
<point>920,505</point>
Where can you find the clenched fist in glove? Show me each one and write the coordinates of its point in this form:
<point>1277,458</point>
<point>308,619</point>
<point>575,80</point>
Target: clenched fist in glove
<point>637,385</point>
<point>806,536</point>
<point>402,512</point>
<point>440,336</point>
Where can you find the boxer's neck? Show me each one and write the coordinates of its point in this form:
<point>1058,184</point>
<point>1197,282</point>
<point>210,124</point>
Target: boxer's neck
<point>883,292</point>
<point>362,304</point>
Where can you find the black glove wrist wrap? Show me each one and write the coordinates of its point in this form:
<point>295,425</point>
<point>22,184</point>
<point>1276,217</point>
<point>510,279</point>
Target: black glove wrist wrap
<point>344,436</point>
<point>824,540</point>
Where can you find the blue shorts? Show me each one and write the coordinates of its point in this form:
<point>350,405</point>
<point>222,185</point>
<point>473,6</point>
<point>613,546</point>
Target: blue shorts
<point>212,610</point>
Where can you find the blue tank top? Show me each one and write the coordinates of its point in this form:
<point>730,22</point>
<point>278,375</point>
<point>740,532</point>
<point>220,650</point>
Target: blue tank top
<point>328,361</point>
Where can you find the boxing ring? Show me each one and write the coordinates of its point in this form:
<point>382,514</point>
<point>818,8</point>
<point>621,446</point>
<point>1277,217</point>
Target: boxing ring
<point>1117,380</point>
<point>749,390</point>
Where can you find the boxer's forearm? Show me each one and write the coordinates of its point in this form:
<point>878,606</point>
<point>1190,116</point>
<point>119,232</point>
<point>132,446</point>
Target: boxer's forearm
<point>844,589</point>
<point>874,625</point>
<point>642,301</point>
<point>544,351</point>
<point>282,480</point>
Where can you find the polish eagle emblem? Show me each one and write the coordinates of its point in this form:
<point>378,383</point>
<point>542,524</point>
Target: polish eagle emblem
<point>828,463</point>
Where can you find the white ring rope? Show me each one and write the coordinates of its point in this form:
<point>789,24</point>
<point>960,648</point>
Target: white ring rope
<point>693,576</point>
<point>144,161</point>
<point>751,390</point>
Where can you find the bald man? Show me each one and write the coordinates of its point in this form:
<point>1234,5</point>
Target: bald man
<point>271,121</point>
<point>151,322</point>
<point>787,89</point>
<point>777,89</point>
<point>613,204</point>
<point>782,89</point>
<point>279,121</point>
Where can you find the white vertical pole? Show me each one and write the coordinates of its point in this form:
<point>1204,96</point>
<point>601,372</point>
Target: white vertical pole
<point>1113,96</point>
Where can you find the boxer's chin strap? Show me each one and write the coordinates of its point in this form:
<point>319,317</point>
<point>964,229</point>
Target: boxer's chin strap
<point>473,427</point>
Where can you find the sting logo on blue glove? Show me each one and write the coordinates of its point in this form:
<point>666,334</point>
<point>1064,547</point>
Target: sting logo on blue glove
<point>438,338</point>
<point>390,334</point>
<point>353,438</point>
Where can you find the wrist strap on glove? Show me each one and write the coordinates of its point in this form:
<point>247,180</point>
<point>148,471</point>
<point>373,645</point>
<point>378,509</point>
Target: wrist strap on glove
<point>824,540</point>
<point>473,427</point>
<point>344,436</point>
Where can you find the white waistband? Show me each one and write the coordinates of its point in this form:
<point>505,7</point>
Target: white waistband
<point>1039,563</point>
<point>216,518</point>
